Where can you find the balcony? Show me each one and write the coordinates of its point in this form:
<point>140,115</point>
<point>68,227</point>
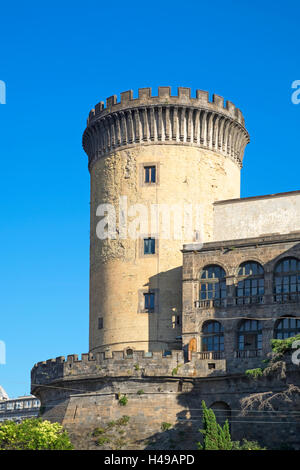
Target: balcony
<point>230,301</point>
<point>248,353</point>
<point>218,355</point>
<point>248,300</point>
<point>211,303</point>
<point>261,299</point>
<point>289,297</point>
<point>212,355</point>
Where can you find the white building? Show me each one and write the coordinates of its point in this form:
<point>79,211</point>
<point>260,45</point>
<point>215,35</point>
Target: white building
<point>19,408</point>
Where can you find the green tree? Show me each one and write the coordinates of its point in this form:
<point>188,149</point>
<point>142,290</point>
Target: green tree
<point>215,437</point>
<point>33,434</point>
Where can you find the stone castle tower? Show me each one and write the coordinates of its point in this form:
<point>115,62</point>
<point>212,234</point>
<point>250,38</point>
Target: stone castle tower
<point>153,150</point>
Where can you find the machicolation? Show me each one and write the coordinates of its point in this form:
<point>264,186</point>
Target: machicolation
<point>166,119</point>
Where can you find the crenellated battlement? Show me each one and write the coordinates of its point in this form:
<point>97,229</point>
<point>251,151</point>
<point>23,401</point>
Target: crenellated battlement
<point>164,118</point>
<point>102,357</point>
<point>165,97</point>
<point>118,364</point>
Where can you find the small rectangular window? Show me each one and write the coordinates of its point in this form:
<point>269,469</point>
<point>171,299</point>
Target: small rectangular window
<point>150,174</point>
<point>149,246</point>
<point>149,301</point>
<point>100,323</point>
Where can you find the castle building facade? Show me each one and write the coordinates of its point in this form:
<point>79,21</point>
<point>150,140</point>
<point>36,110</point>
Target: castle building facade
<point>238,295</point>
<point>179,318</point>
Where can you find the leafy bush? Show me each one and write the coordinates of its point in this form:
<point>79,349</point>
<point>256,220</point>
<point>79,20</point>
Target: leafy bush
<point>33,434</point>
<point>254,373</point>
<point>103,440</point>
<point>165,426</point>
<point>247,445</point>
<point>98,431</point>
<point>140,392</point>
<point>111,424</point>
<point>123,400</point>
<point>123,421</point>
<point>119,443</point>
<point>175,370</point>
<point>280,346</point>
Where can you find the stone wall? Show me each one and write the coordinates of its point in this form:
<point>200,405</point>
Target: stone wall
<point>256,216</point>
<point>118,364</point>
<point>84,402</point>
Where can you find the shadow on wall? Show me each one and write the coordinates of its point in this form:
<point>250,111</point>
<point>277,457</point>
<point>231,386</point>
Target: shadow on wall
<point>165,321</point>
<point>271,421</point>
<point>185,434</point>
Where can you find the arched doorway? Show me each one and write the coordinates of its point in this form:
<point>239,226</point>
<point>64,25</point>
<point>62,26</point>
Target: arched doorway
<point>222,412</point>
<point>192,347</point>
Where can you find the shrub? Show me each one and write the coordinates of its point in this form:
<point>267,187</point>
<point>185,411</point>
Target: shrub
<point>280,346</point>
<point>140,392</point>
<point>103,440</point>
<point>175,370</point>
<point>165,426</point>
<point>119,443</point>
<point>123,421</point>
<point>98,431</point>
<point>247,445</point>
<point>111,424</point>
<point>137,367</point>
<point>33,434</point>
<point>123,400</point>
<point>254,373</point>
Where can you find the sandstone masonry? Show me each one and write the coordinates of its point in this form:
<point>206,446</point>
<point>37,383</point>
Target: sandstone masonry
<point>181,321</point>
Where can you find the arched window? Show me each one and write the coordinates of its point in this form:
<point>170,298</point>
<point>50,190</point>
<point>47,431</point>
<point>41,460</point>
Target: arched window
<point>250,288</point>
<point>129,352</point>
<point>213,284</point>
<point>286,328</point>
<point>212,336</point>
<point>287,280</point>
<point>222,412</point>
<point>250,335</point>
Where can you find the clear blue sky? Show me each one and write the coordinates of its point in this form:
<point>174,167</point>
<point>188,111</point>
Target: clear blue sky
<point>58,60</point>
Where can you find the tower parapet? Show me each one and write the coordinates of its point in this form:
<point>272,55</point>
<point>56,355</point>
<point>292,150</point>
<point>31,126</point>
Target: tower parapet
<point>166,119</point>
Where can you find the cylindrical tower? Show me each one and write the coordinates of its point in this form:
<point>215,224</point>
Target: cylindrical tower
<point>160,157</point>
